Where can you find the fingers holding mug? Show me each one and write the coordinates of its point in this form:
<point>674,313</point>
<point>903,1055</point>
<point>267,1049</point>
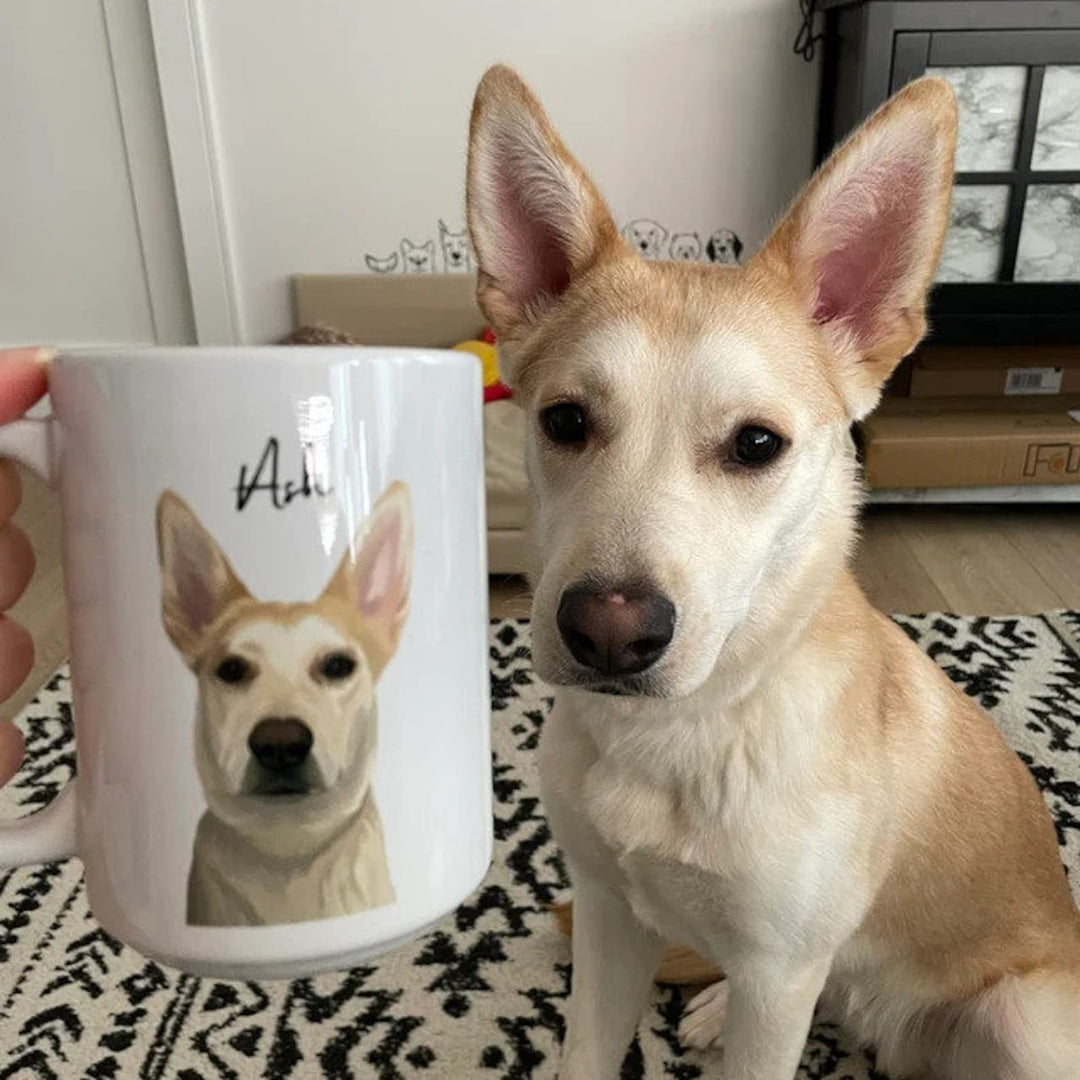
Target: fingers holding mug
<point>24,379</point>
<point>16,656</point>
<point>17,564</point>
<point>10,489</point>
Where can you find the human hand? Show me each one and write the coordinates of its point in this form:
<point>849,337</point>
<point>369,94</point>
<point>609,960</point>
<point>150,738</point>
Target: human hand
<point>23,380</point>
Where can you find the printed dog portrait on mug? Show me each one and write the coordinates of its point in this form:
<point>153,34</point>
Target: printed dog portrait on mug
<point>285,724</point>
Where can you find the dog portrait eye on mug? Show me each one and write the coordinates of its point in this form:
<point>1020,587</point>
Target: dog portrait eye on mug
<point>285,721</point>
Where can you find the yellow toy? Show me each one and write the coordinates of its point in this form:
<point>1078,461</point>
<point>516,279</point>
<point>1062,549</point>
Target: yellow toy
<point>494,387</point>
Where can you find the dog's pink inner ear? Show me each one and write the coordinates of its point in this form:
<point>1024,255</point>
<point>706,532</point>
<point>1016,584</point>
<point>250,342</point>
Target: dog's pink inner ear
<point>867,269</point>
<point>199,576</point>
<point>195,597</point>
<point>382,572</point>
<point>533,260</point>
<point>864,237</point>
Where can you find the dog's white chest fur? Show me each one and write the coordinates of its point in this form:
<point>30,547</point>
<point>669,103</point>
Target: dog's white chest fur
<point>761,877</point>
<point>712,838</point>
<point>234,884</point>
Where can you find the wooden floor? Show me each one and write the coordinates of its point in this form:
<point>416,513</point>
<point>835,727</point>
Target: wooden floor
<point>970,561</point>
<point>979,560</point>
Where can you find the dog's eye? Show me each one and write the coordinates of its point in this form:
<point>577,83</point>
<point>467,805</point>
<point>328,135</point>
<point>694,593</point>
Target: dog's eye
<point>337,666</point>
<point>755,446</point>
<point>565,423</point>
<point>233,670</point>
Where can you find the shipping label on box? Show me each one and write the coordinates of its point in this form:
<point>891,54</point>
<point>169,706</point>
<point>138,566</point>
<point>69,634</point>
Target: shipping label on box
<point>978,371</point>
<point>1033,380</point>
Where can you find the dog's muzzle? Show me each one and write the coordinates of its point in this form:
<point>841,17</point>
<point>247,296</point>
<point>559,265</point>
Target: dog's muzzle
<point>281,747</point>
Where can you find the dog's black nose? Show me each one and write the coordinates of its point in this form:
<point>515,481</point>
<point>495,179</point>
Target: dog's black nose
<point>280,744</point>
<point>616,631</point>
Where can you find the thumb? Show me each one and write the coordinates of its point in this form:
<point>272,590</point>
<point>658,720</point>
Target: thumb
<point>24,378</point>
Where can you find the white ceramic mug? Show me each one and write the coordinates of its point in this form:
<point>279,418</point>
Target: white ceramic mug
<point>276,590</point>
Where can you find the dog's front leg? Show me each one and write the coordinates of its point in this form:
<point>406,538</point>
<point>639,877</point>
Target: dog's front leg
<point>615,958</point>
<point>770,1006</point>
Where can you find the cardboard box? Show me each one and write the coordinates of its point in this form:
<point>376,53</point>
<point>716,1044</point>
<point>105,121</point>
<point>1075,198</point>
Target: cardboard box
<point>940,371</point>
<point>972,443</point>
<point>429,310</point>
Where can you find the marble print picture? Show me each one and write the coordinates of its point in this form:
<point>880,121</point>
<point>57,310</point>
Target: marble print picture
<point>973,244</point>
<point>991,101</point>
<point>1057,131</point>
<point>1050,234</point>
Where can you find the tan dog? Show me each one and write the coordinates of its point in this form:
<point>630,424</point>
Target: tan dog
<point>286,722</point>
<point>744,756</point>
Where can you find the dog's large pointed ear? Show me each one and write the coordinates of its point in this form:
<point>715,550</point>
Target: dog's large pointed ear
<point>536,220</point>
<point>197,581</point>
<point>375,576</point>
<point>862,241</point>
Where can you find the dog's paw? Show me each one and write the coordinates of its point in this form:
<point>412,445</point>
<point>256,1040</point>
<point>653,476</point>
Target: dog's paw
<point>702,1024</point>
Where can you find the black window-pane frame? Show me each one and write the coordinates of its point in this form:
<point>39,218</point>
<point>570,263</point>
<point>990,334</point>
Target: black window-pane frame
<point>886,44</point>
<point>989,48</point>
<point>1021,176</point>
<point>1018,193</point>
<point>968,14</point>
<point>911,58</point>
<point>1016,313</point>
<point>956,310</point>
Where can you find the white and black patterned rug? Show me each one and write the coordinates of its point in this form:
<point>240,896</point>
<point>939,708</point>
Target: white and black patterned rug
<point>482,996</point>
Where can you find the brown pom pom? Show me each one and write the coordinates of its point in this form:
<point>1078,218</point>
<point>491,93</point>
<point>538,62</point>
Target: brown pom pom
<point>317,335</point>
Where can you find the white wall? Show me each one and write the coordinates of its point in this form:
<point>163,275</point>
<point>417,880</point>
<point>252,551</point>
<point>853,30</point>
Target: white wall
<point>89,242</point>
<point>341,123</point>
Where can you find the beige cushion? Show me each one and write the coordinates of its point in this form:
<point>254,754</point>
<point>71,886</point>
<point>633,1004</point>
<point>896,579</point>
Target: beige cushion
<point>509,551</point>
<point>504,453</point>
<point>508,503</point>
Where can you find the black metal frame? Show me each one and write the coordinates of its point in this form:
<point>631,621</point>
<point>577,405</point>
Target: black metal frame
<point>873,47</point>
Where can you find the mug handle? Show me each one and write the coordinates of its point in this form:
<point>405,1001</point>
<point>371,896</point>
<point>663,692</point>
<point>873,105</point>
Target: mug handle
<point>50,833</point>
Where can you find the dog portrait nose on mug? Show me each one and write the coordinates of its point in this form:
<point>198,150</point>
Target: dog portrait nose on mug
<point>618,630</point>
<point>279,743</point>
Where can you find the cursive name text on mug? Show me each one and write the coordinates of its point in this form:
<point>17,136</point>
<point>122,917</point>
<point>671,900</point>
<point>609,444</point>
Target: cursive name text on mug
<point>266,477</point>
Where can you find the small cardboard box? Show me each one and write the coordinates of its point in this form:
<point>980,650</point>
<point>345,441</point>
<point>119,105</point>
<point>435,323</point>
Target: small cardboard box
<point>941,371</point>
<point>430,310</point>
<point>972,443</point>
